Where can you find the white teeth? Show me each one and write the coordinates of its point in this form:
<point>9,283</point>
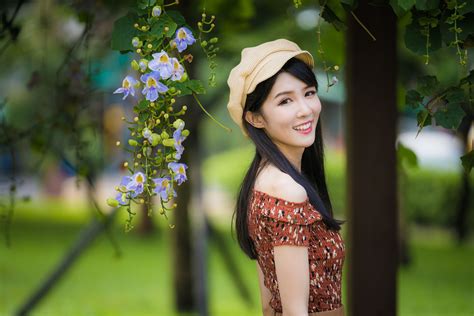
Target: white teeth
<point>302,127</point>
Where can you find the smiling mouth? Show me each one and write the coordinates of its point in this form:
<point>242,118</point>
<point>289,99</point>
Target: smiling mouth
<point>304,128</point>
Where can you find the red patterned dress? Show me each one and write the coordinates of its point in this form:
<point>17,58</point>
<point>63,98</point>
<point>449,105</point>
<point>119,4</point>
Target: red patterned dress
<point>274,221</point>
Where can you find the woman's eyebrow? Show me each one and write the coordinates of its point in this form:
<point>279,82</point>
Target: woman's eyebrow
<point>288,92</point>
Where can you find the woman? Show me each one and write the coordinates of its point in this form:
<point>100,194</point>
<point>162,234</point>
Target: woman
<point>284,215</point>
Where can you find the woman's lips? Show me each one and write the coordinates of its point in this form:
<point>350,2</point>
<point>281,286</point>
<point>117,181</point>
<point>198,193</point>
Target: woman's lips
<point>305,131</point>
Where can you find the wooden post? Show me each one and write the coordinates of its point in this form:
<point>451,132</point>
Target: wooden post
<point>371,125</point>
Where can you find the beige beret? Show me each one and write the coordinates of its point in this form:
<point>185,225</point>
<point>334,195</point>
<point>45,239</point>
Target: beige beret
<point>257,64</point>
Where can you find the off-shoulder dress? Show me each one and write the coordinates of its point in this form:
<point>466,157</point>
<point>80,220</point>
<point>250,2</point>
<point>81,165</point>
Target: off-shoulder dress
<point>274,221</point>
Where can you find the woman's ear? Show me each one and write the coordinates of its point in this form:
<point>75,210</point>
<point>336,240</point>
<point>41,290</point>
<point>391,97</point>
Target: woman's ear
<point>255,119</point>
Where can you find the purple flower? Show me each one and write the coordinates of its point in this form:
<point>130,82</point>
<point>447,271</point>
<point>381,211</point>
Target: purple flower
<point>152,85</point>
<point>128,85</point>
<point>162,63</point>
<point>179,169</point>
<point>163,187</point>
<point>122,198</point>
<point>177,69</point>
<point>184,37</point>
<point>178,139</point>
<point>147,134</point>
<point>136,184</point>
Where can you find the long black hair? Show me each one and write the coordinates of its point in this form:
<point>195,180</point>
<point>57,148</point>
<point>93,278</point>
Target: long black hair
<point>312,176</point>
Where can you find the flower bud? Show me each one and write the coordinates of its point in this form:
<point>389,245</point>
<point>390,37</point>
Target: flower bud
<point>173,100</point>
<point>125,164</point>
<point>132,142</point>
<point>172,90</point>
<point>144,28</point>
<point>142,201</point>
<point>149,46</point>
<point>143,63</point>
<point>135,118</point>
<point>336,67</point>
<point>112,202</point>
<point>185,107</point>
<point>166,29</point>
<point>139,156</point>
<point>184,77</point>
<point>155,139</point>
<point>203,43</point>
<point>168,142</point>
<point>213,40</point>
<point>139,50</point>
<point>157,121</point>
<point>123,118</point>
<point>135,25</point>
<point>117,143</point>
<point>164,135</point>
<point>136,164</point>
<point>178,123</point>
<point>134,65</point>
<point>185,133</point>
<point>156,11</point>
<point>136,42</point>
<point>166,115</point>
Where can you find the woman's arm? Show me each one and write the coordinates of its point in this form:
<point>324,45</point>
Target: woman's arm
<point>265,294</point>
<point>292,269</point>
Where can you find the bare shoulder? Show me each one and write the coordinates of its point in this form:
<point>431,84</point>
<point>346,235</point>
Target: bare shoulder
<point>273,181</point>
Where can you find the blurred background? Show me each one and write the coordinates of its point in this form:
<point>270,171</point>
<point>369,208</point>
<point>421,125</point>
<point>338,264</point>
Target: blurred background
<point>59,163</point>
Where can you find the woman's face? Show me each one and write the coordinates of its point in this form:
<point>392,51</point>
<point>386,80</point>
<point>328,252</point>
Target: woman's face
<point>289,114</point>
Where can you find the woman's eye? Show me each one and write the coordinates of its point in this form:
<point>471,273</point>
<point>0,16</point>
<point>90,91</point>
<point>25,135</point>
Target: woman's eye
<point>312,92</point>
<point>283,101</point>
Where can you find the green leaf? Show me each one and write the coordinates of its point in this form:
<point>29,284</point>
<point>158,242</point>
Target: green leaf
<point>424,118</point>
<point>449,116</point>
<point>468,79</point>
<point>176,16</point>
<point>143,4</point>
<point>455,95</point>
<point>399,11</point>
<point>413,99</point>
<point>143,116</point>
<point>427,85</point>
<point>123,33</point>
<point>142,105</point>
<point>416,41</point>
<point>406,4</point>
<point>190,86</point>
<point>349,5</point>
<point>159,27</point>
<point>406,156</point>
<point>468,161</point>
<point>331,17</point>
<point>467,8</point>
<point>426,5</point>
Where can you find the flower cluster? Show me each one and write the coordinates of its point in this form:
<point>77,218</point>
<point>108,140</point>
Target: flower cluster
<point>159,73</point>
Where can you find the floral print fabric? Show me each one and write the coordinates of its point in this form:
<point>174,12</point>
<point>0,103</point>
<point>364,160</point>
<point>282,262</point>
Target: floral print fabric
<point>272,222</point>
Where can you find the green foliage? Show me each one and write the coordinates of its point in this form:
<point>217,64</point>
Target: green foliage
<point>189,86</point>
<point>426,5</point>
<point>406,157</point>
<point>123,33</point>
<point>468,161</point>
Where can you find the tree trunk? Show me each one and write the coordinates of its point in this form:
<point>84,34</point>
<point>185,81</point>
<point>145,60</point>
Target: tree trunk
<point>371,161</point>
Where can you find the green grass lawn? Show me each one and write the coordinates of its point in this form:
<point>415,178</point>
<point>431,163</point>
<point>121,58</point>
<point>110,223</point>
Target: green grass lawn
<point>440,281</point>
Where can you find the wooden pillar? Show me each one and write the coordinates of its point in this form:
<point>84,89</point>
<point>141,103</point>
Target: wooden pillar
<point>371,123</point>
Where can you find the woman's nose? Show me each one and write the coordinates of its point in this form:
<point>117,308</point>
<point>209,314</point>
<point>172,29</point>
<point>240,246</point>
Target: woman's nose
<point>305,108</point>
